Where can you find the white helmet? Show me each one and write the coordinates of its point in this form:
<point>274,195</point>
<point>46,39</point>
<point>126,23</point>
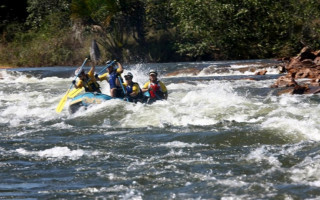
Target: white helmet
<point>129,74</point>
<point>153,72</point>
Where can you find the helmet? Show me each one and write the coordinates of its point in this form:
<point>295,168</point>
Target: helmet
<point>152,71</point>
<point>128,74</point>
<point>110,63</point>
<point>78,71</point>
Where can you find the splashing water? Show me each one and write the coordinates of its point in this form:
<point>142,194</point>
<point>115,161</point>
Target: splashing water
<point>219,136</point>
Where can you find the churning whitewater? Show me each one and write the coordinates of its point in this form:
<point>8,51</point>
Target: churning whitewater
<point>220,135</point>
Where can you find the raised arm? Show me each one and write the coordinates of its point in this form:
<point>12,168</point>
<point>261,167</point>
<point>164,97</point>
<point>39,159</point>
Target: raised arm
<point>93,68</point>
<point>120,68</point>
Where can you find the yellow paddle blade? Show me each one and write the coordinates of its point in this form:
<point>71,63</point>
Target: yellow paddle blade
<point>62,102</point>
<point>74,92</point>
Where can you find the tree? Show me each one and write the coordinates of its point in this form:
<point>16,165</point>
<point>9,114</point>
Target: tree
<point>112,21</point>
<point>12,11</point>
<point>38,10</point>
<point>233,29</point>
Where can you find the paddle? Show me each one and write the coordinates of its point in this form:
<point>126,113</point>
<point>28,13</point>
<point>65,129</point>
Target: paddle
<point>94,52</point>
<point>75,92</point>
<point>65,97</point>
<point>94,57</point>
<point>111,63</point>
<point>124,91</point>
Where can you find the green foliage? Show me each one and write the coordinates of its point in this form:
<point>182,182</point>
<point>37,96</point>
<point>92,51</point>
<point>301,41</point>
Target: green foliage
<point>241,28</point>
<point>51,43</point>
<point>114,22</point>
<point>94,11</point>
<point>12,12</point>
<point>39,10</point>
<point>166,30</point>
<point>159,15</point>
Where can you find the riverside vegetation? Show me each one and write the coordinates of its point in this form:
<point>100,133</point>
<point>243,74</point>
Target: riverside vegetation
<point>59,32</point>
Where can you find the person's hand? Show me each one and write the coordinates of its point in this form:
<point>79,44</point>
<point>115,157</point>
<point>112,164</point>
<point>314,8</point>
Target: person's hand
<point>126,97</point>
<point>89,58</point>
<point>74,82</point>
<point>96,76</point>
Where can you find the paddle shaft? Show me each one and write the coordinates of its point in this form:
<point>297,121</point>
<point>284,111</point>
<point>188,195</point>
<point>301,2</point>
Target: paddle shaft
<point>106,67</point>
<point>75,92</point>
<point>124,91</point>
<point>65,97</point>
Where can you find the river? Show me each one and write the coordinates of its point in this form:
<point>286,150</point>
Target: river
<point>218,136</point>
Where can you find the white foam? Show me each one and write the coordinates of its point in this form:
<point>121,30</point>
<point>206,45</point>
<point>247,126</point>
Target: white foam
<point>178,144</point>
<point>262,154</point>
<point>55,152</point>
<point>294,117</point>
<point>202,105</point>
<point>195,103</point>
<point>307,172</point>
<point>132,194</point>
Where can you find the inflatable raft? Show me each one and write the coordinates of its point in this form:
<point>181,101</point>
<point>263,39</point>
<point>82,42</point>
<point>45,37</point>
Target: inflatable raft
<point>90,98</point>
<point>87,99</point>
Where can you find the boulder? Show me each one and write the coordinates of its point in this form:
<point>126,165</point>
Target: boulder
<point>284,81</point>
<point>306,53</point>
<point>306,65</point>
<point>317,61</point>
<point>190,71</point>
<point>303,73</point>
<point>261,72</point>
<point>300,89</point>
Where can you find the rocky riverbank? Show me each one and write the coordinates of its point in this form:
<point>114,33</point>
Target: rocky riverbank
<point>302,73</point>
<point>6,67</point>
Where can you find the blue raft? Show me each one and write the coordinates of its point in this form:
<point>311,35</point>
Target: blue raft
<point>89,98</point>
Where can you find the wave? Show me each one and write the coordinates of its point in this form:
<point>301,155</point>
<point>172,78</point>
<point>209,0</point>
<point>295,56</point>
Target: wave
<point>210,103</point>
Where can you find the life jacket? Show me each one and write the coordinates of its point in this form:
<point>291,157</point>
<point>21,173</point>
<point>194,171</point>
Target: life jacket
<point>113,76</point>
<point>129,90</point>
<point>90,85</point>
<point>155,90</point>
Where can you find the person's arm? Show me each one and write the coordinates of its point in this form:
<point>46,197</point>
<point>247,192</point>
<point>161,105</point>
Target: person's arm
<point>135,90</point>
<point>120,68</point>
<point>91,75</point>
<point>145,87</point>
<point>103,77</point>
<point>91,71</point>
<point>164,90</point>
<point>77,85</point>
<point>93,67</point>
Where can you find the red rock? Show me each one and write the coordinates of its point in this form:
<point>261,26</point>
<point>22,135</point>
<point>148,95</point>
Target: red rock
<point>306,53</point>
<point>317,53</point>
<point>317,60</point>
<point>285,81</point>
<point>305,65</point>
<point>262,72</point>
<point>303,73</point>
<point>294,63</point>
<point>300,89</point>
<point>192,71</point>
<point>308,63</point>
